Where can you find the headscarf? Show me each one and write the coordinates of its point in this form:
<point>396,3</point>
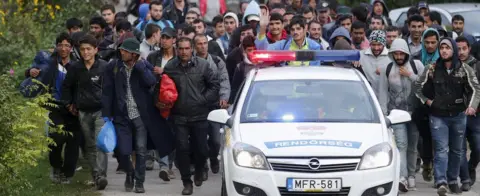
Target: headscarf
<point>426,57</point>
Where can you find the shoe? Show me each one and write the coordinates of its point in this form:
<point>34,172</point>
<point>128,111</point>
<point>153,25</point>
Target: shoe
<point>149,164</point>
<point>198,179</point>
<point>419,165</point>
<point>411,183</point>
<point>427,173</point>
<point>454,189</point>
<point>442,190</point>
<point>65,180</point>
<point>139,188</point>
<point>129,180</point>
<point>473,175</point>
<point>187,189</point>
<point>465,187</point>
<point>164,175</point>
<point>101,183</point>
<point>205,175</point>
<point>55,175</point>
<point>214,165</point>
<point>403,185</point>
<point>120,170</point>
<point>171,174</point>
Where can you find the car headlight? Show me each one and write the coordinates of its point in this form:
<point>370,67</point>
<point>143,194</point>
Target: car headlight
<point>248,156</point>
<point>377,156</point>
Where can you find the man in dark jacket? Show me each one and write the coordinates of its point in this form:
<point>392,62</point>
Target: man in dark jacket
<point>197,85</point>
<point>82,93</point>
<point>468,168</point>
<point>443,87</point>
<point>128,100</point>
<point>176,11</point>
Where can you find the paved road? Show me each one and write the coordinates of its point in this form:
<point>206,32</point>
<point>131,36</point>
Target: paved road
<point>155,186</point>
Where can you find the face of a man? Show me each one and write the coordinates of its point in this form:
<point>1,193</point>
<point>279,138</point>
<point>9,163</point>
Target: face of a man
<point>416,29</point>
<point>74,30</point>
<point>219,29</point>
<point>64,48</point>
<point>190,17</point>
<point>126,56</point>
<point>458,26</point>
<point>297,3</point>
<point>287,19</point>
<point>109,16</point>
<point>308,16</point>
<point>88,52</point>
<point>315,31</point>
<point>399,57</point>
<point>246,33</point>
<point>201,45</point>
<point>167,42</point>
<point>463,50</point>
<point>358,35</point>
<point>156,12</point>
<point>184,50</point>
<point>378,8</point>
<point>428,22</point>
<point>376,24</point>
<point>190,35</point>
<point>347,23</point>
<point>96,29</point>
<point>423,11</point>
<point>230,24</point>
<point>446,52</point>
<point>431,44</point>
<point>275,27</point>
<point>323,16</point>
<point>376,48</point>
<point>199,28</point>
<point>391,35</point>
<point>297,32</point>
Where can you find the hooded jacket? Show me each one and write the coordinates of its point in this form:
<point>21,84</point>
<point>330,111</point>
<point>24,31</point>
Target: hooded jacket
<point>224,40</point>
<point>452,92</point>
<point>340,31</point>
<point>252,9</point>
<point>395,91</point>
<point>142,15</point>
<point>426,58</point>
<point>370,63</point>
<point>385,17</point>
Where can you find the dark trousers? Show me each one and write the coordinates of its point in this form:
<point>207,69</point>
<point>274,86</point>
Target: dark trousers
<point>425,147</point>
<point>139,134</point>
<point>213,141</point>
<point>70,140</point>
<point>197,131</point>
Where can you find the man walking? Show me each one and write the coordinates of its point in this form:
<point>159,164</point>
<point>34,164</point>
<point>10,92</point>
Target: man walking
<point>197,85</point>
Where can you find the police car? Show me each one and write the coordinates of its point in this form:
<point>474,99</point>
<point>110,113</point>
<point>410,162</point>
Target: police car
<point>308,131</point>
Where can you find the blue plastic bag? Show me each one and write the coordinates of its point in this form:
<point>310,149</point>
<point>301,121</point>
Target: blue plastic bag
<point>107,138</point>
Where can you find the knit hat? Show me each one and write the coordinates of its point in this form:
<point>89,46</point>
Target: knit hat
<point>448,42</point>
<point>131,45</point>
<point>378,36</point>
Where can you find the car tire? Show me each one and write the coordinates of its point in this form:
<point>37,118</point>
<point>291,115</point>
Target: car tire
<point>224,188</point>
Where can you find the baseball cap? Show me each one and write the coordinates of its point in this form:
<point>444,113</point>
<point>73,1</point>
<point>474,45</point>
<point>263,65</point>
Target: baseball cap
<point>343,10</point>
<point>322,6</point>
<point>253,17</point>
<point>168,31</point>
<point>422,4</point>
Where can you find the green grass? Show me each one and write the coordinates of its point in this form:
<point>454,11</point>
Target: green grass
<point>43,186</point>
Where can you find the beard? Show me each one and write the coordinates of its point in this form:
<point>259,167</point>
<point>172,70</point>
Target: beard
<point>401,62</point>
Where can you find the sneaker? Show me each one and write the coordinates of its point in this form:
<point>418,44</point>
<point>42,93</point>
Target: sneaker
<point>101,182</point>
<point>164,175</point>
<point>442,190</point>
<point>465,187</point>
<point>149,164</point>
<point>120,170</point>
<point>411,183</point>
<point>171,174</point>
<point>403,185</point>
<point>139,188</point>
<point>187,189</point>
<point>129,182</point>
<point>427,173</point>
<point>55,175</point>
<point>454,189</point>
<point>198,178</point>
<point>65,180</point>
<point>215,165</point>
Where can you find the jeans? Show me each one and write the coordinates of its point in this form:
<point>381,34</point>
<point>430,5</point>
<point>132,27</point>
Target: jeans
<point>70,140</point>
<point>473,138</point>
<point>91,124</point>
<point>406,139</point>
<point>197,131</point>
<point>214,141</point>
<point>139,134</point>
<point>448,135</point>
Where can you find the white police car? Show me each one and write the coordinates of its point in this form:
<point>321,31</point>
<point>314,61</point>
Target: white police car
<point>308,131</point>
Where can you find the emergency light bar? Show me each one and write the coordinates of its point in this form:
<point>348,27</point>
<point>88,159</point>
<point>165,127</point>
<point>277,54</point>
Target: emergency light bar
<point>304,55</point>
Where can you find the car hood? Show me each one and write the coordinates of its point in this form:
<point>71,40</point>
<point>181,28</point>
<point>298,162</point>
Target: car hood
<point>312,139</point>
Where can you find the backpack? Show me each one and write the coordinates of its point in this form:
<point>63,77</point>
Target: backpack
<point>412,64</point>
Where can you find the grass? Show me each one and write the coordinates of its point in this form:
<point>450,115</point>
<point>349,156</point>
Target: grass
<point>43,186</point>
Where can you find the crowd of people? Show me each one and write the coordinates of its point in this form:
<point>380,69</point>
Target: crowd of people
<point>112,72</point>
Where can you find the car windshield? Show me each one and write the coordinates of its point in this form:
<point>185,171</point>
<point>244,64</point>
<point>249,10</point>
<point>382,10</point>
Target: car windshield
<point>308,101</point>
<point>471,26</point>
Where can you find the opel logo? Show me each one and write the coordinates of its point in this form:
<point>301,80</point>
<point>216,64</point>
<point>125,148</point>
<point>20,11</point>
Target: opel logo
<point>314,164</point>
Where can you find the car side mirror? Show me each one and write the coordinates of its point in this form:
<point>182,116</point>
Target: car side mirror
<point>398,117</point>
<point>220,116</point>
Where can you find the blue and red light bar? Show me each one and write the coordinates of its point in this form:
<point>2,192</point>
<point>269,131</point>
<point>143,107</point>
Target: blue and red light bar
<point>266,56</point>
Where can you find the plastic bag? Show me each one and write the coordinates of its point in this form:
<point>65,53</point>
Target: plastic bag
<point>107,138</point>
<point>167,94</point>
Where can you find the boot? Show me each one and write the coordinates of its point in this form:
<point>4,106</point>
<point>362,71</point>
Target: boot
<point>187,189</point>
<point>139,188</point>
<point>129,182</point>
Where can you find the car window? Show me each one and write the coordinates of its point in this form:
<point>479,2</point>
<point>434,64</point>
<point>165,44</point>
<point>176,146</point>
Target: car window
<point>471,26</point>
<point>235,102</point>
<point>308,101</point>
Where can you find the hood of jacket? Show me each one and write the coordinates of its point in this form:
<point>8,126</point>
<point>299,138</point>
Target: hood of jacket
<point>385,8</point>
<point>399,45</point>
<point>143,11</point>
<point>234,16</point>
<point>283,36</point>
<point>455,60</point>
<point>252,9</point>
<point>340,31</point>
<point>429,58</point>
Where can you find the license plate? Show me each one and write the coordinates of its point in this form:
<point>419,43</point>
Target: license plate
<point>314,185</point>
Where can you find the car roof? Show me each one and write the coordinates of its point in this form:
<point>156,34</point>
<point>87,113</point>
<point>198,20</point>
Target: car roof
<point>308,73</point>
<point>457,7</point>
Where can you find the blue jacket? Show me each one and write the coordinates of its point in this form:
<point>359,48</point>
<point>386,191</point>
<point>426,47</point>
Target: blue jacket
<point>285,45</point>
<point>114,105</point>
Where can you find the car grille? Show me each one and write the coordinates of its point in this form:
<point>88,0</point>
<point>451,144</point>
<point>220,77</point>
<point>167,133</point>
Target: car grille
<point>323,168</point>
<point>284,192</point>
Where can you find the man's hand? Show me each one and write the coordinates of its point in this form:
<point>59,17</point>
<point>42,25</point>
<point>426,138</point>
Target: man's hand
<point>34,72</point>
<point>377,71</point>
<point>356,64</point>
<point>404,72</point>
<point>470,111</point>
<point>157,70</point>
<point>429,102</point>
<point>72,109</point>
<point>162,106</point>
<point>223,104</point>
<point>264,20</point>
